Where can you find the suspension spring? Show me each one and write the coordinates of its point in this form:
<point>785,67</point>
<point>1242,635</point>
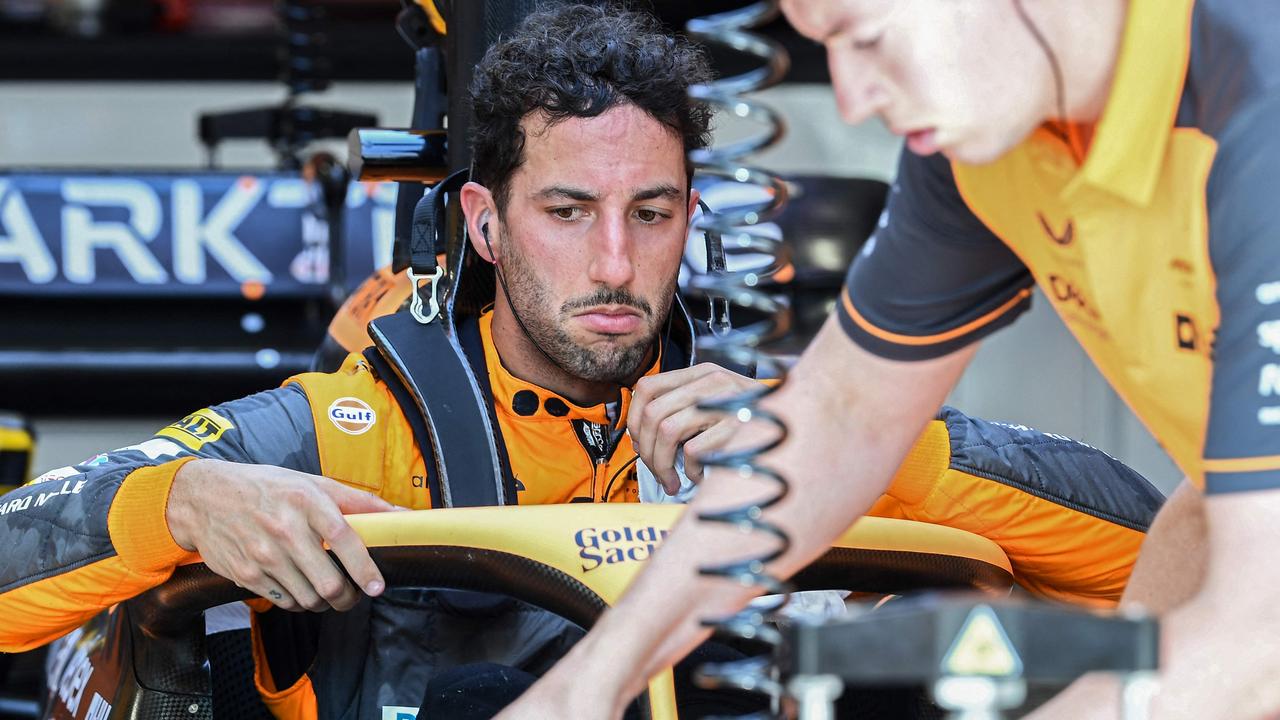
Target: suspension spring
<point>737,230</point>
<point>305,67</point>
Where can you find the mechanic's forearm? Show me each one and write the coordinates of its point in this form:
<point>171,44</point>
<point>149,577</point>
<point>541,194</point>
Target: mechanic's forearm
<point>1171,565</point>
<point>860,428</point>
<point>1221,650</point>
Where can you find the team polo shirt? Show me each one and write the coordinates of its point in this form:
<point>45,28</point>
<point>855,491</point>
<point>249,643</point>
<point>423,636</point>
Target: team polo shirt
<point>1159,247</point>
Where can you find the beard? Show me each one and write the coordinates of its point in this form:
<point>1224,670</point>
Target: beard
<point>615,361</point>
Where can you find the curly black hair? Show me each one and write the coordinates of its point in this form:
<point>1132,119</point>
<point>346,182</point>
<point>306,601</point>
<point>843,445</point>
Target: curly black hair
<point>579,61</point>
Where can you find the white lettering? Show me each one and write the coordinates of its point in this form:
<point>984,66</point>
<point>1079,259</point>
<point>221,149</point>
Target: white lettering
<point>66,489</point>
<point>384,234</point>
<point>1269,335</point>
<point>99,709</point>
<point>192,236</point>
<point>81,235</point>
<point>16,505</point>
<point>1268,293</point>
<point>71,686</point>
<point>23,244</point>
<point>1269,380</point>
<point>59,653</point>
<point>288,193</point>
<point>1269,415</point>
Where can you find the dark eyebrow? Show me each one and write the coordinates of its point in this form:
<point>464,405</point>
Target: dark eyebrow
<point>665,191</point>
<point>560,191</point>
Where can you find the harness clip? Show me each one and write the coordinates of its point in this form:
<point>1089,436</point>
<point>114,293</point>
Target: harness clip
<point>415,304</point>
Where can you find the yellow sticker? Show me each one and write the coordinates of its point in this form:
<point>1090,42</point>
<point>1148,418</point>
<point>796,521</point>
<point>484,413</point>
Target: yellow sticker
<point>196,429</point>
<point>982,647</point>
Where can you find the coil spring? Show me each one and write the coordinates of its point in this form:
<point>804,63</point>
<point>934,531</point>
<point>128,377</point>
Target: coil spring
<point>737,231</point>
<point>304,68</point>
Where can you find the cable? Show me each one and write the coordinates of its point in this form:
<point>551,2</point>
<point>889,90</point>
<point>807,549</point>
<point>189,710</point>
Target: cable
<point>608,489</point>
<point>1059,85</point>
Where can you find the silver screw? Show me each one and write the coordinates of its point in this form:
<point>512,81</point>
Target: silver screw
<point>193,708</point>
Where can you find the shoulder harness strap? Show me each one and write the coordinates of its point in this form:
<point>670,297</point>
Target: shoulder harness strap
<point>439,392</point>
<point>440,396</point>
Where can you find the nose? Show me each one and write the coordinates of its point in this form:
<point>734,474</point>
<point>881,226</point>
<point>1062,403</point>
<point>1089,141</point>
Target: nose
<point>611,262</point>
<point>860,94</point>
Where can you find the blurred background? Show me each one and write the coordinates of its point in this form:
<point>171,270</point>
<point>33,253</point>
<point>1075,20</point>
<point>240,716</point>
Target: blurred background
<point>165,241</point>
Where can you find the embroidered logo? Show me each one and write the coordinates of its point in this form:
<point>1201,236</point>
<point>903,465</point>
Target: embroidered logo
<point>1068,235</point>
<point>352,416</point>
<point>196,429</point>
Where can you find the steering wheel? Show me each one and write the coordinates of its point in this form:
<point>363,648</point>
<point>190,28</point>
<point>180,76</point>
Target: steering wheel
<point>572,560</point>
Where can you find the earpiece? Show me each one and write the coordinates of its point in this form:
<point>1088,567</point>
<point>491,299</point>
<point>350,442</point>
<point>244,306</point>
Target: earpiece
<point>484,233</point>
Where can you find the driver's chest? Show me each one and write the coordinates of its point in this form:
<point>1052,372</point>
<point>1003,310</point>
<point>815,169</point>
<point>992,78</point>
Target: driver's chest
<point>568,460</point>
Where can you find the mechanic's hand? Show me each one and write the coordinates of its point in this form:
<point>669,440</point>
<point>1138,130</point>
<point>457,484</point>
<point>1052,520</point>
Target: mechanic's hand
<point>664,414</point>
<point>265,527</point>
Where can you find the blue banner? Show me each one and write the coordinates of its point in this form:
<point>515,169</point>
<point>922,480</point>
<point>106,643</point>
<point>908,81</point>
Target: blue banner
<point>208,234</point>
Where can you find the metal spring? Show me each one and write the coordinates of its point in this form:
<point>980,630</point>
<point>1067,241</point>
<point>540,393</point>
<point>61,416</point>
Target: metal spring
<point>304,68</point>
<point>737,230</point>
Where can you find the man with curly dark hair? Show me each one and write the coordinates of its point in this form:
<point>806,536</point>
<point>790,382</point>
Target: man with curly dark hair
<point>581,202</point>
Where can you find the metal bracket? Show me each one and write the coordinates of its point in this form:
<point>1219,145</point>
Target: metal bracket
<point>415,304</point>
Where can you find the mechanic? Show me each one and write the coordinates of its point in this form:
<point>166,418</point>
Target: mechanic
<point>582,201</point>
<point>1123,157</point>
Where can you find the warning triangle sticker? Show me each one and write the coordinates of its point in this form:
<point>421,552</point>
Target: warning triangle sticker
<point>981,647</point>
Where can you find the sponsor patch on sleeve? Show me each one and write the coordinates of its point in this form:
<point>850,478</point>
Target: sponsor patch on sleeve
<point>196,429</point>
<point>352,416</point>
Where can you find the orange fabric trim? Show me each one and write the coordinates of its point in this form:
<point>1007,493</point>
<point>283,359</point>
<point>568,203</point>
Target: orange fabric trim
<point>296,702</point>
<point>47,609</point>
<point>137,524</point>
<point>1236,465</point>
<point>1196,474</point>
<point>931,339</point>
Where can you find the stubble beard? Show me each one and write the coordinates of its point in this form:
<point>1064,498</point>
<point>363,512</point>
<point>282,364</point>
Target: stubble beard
<point>611,362</point>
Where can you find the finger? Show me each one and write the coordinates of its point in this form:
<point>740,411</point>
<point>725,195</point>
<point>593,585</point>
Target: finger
<point>334,529</point>
<point>349,500</point>
<point>290,580</point>
<point>656,418</point>
<point>324,578</point>
<point>651,387</point>
<point>278,597</point>
<point>708,441</point>
<point>671,434</point>
<point>252,577</point>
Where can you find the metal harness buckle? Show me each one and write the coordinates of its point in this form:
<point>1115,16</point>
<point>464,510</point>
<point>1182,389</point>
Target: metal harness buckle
<point>415,304</point>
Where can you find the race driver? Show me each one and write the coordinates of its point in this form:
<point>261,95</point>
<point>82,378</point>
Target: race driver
<point>1123,156</point>
<point>582,202</point>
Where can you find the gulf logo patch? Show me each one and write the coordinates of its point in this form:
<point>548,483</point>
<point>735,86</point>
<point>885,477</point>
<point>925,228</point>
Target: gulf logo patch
<point>352,416</point>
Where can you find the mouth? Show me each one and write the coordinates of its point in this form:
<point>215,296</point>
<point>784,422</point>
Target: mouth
<point>923,141</point>
<point>610,319</point>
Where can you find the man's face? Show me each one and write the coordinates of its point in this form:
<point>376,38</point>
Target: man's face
<point>592,236</point>
<point>961,77</point>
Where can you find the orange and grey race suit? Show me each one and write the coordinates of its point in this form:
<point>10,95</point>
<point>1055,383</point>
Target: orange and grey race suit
<point>1158,245</point>
<point>81,538</point>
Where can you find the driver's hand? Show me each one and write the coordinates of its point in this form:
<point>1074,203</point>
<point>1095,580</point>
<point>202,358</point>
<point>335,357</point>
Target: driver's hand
<point>664,416</point>
<point>265,529</point>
